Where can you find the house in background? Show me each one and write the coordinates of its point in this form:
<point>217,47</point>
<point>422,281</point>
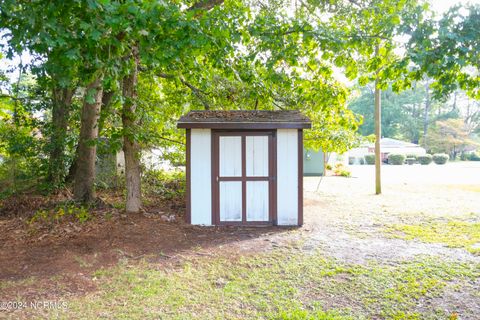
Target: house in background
<point>313,163</point>
<point>387,146</point>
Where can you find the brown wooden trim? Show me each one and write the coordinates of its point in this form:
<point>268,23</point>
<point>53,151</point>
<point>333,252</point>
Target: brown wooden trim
<point>259,132</point>
<point>246,223</point>
<point>188,214</point>
<point>273,180</point>
<point>244,179</point>
<point>215,173</point>
<point>244,125</point>
<point>300,177</point>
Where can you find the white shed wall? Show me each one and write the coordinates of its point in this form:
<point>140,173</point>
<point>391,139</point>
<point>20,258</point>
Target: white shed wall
<point>287,176</point>
<point>200,176</point>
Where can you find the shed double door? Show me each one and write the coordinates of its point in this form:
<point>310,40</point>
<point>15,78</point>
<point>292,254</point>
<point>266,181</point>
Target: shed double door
<point>243,177</point>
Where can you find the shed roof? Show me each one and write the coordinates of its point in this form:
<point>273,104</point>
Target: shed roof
<point>245,119</point>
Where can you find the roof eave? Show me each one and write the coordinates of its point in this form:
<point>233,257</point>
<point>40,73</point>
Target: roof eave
<point>244,125</point>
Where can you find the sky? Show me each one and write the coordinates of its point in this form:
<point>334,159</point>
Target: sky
<point>441,6</point>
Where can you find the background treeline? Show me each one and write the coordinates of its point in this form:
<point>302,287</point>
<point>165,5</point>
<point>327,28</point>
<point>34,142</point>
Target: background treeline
<point>448,125</point>
<point>103,76</point>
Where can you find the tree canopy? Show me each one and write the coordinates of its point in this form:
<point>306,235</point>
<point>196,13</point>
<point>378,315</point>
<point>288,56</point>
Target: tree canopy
<point>118,74</point>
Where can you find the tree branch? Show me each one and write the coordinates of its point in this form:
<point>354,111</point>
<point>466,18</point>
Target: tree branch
<point>196,91</point>
<point>205,4</point>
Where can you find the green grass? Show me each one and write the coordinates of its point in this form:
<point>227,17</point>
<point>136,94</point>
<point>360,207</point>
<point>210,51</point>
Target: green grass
<point>455,234</point>
<point>284,284</point>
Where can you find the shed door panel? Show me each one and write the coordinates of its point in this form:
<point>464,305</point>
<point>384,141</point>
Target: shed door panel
<point>230,156</point>
<point>257,201</point>
<point>257,156</point>
<point>244,177</point>
<point>230,201</point>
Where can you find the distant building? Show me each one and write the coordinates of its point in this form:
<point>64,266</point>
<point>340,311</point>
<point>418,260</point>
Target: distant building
<point>387,146</point>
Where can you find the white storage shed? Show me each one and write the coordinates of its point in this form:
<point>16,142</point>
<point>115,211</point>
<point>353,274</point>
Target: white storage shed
<point>244,167</point>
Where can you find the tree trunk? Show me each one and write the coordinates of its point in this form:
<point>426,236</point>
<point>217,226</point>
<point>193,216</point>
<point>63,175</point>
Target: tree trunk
<point>62,101</point>
<point>106,102</point>
<point>378,135</point>
<point>425,115</point>
<point>83,188</point>
<point>131,148</point>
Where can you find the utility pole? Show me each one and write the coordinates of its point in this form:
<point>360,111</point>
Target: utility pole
<point>378,132</point>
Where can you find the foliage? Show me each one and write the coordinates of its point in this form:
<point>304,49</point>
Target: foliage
<point>61,212</point>
<point>167,184</point>
<point>456,234</point>
<point>425,159</point>
<point>402,113</point>
<point>473,157</point>
<point>396,159</point>
<point>341,170</point>
<point>440,158</point>
<point>21,146</point>
<point>220,55</point>
<point>369,158</point>
<point>328,166</point>
<point>448,50</point>
<point>449,136</point>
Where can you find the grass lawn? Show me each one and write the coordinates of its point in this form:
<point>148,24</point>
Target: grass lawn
<point>284,284</point>
<point>454,234</point>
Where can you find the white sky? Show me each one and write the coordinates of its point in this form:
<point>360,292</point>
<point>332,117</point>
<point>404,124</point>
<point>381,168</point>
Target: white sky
<point>441,6</point>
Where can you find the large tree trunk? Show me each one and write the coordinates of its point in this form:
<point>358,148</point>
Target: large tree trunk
<point>378,135</point>
<point>83,188</point>
<point>131,148</point>
<point>62,101</point>
<point>107,98</point>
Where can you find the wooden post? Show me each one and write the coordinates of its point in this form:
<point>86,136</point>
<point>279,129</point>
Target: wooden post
<point>378,134</point>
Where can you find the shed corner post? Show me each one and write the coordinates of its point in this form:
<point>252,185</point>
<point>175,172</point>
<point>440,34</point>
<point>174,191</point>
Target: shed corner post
<point>300,177</point>
<point>188,214</point>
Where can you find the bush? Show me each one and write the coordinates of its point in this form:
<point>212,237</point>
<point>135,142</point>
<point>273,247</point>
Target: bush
<point>370,158</point>
<point>425,159</point>
<point>351,160</point>
<point>167,184</point>
<point>412,156</point>
<point>328,166</point>
<point>410,161</point>
<point>473,157</point>
<point>361,160</point>
<point>440,158</point>
<point>340,170</point>
<point>396,159</point>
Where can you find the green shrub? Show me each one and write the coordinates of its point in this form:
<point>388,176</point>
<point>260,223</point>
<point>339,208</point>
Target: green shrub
<point>351,160</point>
<point>167,184</point>
<point>396,159</point>
<point>328,166</point>
<point>341,171</point>
<point>425,159</point>
<point>473,157</point>
<point>370,158</point>
<point>361,160</point>
<point>410,161</point>
<point>440,158</point>
<point>412,156</point>
<point>81,214</point>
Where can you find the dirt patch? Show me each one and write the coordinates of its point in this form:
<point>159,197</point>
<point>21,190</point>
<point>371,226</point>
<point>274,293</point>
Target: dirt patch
<point>57,263</point>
